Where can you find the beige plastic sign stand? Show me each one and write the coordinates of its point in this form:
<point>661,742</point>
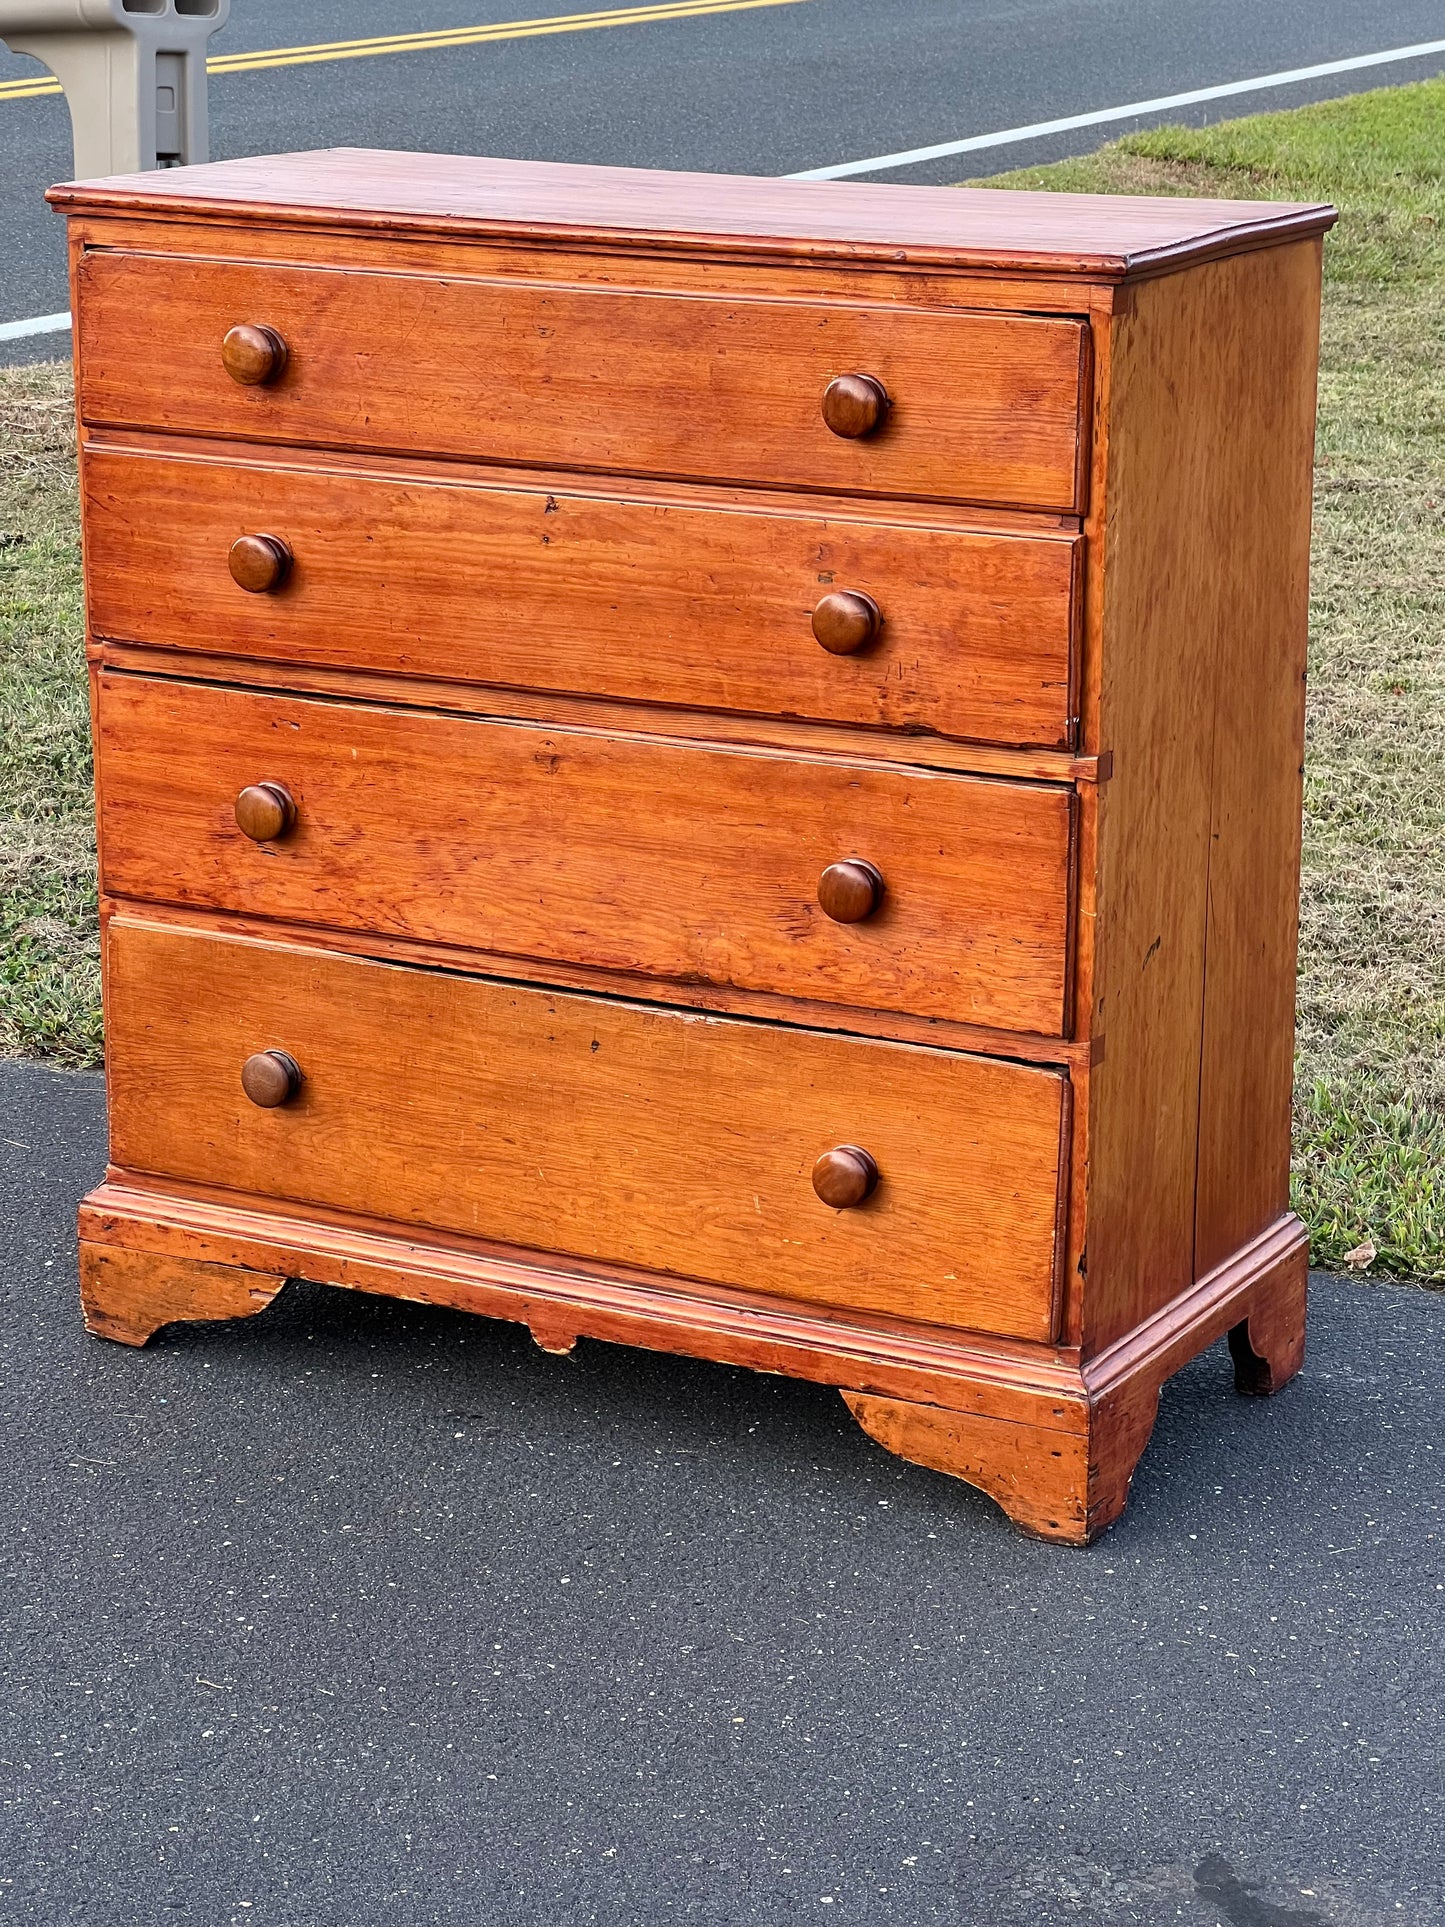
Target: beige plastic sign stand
<point>133,71</point>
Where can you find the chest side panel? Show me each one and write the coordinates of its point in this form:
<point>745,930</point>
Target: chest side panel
<point>1203,605</point>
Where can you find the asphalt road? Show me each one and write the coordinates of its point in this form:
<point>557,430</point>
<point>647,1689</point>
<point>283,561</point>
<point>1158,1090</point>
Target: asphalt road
<point>366,1615</point>
<point>769,91</point>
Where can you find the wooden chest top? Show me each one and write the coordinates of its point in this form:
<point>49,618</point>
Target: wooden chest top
<point>1100,236</point>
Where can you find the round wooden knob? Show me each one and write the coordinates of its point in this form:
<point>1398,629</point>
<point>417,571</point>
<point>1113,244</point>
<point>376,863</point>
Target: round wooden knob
<point>271,1078</point>
<point>847,621</point>
<point>253,356</point>
<point>850,891</point>
<point>854,405</point>
<point>264,812</point>
<point>844,1176</point>
<point>260,563</point>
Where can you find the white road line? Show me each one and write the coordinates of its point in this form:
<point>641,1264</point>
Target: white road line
<point>1006,138</point>
<point>41,324</point>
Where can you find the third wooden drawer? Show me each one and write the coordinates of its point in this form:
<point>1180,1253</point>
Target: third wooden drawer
<point>688,862</point>
<point>701,602</point>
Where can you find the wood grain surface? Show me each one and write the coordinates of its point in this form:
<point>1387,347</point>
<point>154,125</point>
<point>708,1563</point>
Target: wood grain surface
<point>1153,703</point>
<point>984,407</point>
<point>1038,1474</point>
<point>1108,235</point>
<point>1257,617</point>
<point>529,587</point>
<point>1203,608</point>
<point>128,1295</point>
<point>703,865</point>
<point>576,1124</point>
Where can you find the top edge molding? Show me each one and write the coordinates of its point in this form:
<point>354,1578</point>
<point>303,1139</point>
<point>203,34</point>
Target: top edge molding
<point>1093,237</point>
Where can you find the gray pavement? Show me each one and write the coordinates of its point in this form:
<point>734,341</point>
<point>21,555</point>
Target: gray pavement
<point>361,1613</point>
<point>769,91</point>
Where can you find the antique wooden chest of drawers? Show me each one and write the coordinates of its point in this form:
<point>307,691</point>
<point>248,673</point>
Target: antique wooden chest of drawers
<point>707,763</point>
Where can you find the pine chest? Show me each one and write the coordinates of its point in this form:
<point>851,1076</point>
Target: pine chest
<point>707,763</point>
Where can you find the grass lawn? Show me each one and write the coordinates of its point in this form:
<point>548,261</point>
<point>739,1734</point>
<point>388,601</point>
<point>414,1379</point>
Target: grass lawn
<point>1369,1167</point>
<point>49,947</point>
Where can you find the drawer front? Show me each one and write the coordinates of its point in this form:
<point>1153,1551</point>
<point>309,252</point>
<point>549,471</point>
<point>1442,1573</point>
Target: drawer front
<point>702,607</point>
<point>591,1127</point>
<point>985,407</point>
<point>683,862</point>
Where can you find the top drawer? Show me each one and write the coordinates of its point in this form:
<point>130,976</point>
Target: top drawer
<point>983,407</point>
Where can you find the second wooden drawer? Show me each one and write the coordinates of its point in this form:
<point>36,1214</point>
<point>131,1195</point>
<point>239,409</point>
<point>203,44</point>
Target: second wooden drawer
<point>684,862</point>
<point>702,605</point>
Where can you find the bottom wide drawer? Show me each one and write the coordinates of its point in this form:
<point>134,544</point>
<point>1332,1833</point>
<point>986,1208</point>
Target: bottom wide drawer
<point>586,1126</point>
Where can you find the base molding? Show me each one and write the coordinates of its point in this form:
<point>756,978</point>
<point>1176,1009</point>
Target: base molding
<point>1053,1438</point>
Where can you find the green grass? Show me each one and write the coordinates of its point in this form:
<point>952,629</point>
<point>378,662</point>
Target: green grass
<point>1369,1167</point>
<point>49,950</point>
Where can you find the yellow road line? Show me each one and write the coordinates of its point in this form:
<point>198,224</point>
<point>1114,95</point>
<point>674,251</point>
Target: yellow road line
<point>27,89</point>
<point>403,43</point>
